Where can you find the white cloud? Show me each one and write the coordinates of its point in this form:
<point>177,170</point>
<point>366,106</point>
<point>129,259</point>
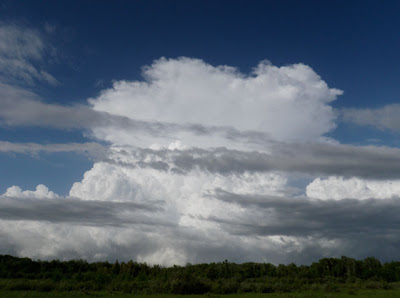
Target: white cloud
<point>181,231</point>
<point>186,195</point>
<point>159,246</point>
<point>338,188</point>
<point>238,111</point>
<point>240,228</point>
<point>188,202</point>
<point>159,194</point>
<point>287,103</point>
<point>41,192</point>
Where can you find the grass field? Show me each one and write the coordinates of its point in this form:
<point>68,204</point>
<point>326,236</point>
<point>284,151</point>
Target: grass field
<point>363,293</point>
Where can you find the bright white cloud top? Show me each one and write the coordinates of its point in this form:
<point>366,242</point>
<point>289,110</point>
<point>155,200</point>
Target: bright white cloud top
<point>197,163</point>
<point>287,103</point>
<point>337,188</point>
<point>41,192</point>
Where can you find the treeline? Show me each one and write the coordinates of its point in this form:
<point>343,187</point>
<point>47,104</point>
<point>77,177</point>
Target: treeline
<point>330,274</point>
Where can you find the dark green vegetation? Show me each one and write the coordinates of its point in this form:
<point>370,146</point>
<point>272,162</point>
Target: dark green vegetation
<point>345,275</point>
<point>314,294</point>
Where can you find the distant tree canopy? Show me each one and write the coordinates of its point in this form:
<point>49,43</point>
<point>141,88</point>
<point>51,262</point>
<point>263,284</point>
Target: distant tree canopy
<point>223,277</point>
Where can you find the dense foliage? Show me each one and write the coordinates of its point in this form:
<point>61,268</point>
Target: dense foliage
<point>222,278</point>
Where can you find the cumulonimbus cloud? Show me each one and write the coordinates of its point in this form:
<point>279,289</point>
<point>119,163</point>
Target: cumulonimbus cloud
<point>201,165</point>
<point>287,103</point>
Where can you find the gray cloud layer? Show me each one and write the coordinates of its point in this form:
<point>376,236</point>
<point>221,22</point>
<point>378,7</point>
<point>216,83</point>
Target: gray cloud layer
<point>80,212</point>
<point>311,159</point>
<point>346,227</point>
<point>386,117</point>
<point>94,150</point>
<point>24,108</point>
<point>303,217</point>
<point>303,227</point>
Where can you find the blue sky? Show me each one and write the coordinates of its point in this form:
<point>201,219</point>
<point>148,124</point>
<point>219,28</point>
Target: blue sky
<point>352,45</point>
<point>92,110</point>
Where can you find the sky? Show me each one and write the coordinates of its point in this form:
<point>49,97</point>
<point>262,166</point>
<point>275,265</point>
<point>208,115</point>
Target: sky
<point>174,132</point>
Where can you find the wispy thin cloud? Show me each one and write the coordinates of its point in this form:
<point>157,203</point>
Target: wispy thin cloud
<point>22,52</point>
<point>93,150</point>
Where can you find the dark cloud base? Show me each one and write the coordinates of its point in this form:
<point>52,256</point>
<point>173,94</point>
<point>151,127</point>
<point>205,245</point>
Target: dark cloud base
<point>308,229</point>
<point>80,212</point>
